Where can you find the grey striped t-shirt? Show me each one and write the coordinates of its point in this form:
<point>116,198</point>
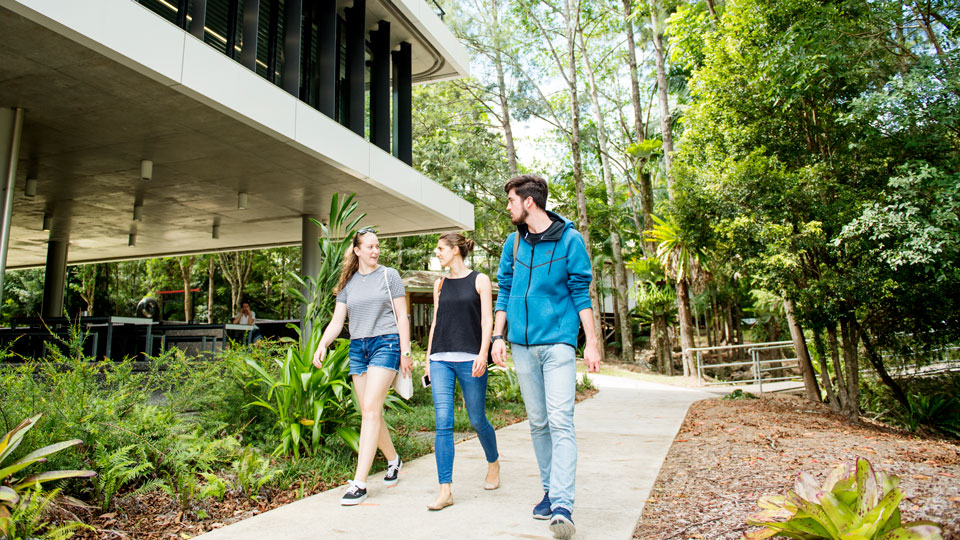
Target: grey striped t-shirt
<point>368,306</point>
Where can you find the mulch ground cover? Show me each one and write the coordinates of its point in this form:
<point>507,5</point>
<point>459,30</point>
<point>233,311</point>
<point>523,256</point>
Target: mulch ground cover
<point>729,452</point>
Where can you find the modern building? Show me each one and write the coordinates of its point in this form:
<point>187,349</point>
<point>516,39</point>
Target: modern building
<point>133,129</point>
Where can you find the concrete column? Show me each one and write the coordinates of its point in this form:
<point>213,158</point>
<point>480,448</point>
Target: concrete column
<point>11,128</point>
<point>309,263</point>
<point>54,278</point>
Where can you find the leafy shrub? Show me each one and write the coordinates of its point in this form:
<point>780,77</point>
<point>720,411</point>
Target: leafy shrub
<point>854,503</point>
<point>13,488</point>
<point>21,498</point>
<point>504,384</point>
<point>939,411</point>
<point>308,404</point>
<point>585,383</point>
<point>740,394</point>
<point>932,403</point>
<point>28,520</point>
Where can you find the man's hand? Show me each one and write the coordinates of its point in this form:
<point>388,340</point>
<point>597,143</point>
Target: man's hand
<point>499,352</point>
<point>591,354</point>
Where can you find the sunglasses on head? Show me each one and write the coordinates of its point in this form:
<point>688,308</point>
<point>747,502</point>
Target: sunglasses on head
<point>366,230</point>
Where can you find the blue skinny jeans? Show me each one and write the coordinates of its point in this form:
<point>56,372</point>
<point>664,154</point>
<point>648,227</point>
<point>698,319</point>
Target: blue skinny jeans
<point>443,377</point>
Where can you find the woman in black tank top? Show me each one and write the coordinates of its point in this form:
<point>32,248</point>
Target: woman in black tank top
<point>457,351</point>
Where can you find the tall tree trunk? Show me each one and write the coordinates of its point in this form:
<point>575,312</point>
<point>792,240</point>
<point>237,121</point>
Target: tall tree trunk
<point>646,206</point>
<point>851,345</point>
<point>236,270</point>
<point>686,326</point>
<point>877,362</point>
<point>502,90</point>
<point>186,270</point>
<point>571,15</point>
<point>666,129</point>
<point>663,349</point>
<point>619,273</point>
<point>646,187</point>
<point>713,11</point>
<point>832,400</point>
<point>834,344</point>
<point>803,355</point>
<point>211,269</point>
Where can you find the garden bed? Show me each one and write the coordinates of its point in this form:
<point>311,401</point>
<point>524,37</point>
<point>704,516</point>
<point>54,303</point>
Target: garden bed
<point>729,452</point>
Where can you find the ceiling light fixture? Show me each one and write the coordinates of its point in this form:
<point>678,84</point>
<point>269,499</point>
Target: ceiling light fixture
<point>242,200</point>
<point>216,230</point>
<point>137,212</point>
<point>132,241</point>
<point>47,221</point>
<point>146,169</point>
<point>31,189</point>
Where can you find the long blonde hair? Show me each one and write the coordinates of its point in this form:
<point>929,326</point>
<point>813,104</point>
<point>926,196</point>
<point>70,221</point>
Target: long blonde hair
<point>350,261</point>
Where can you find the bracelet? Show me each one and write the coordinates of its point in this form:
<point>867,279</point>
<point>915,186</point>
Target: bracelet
<point>493,339</point>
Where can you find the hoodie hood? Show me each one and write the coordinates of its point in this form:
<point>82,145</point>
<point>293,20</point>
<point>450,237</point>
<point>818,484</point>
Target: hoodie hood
<point>553,233</point>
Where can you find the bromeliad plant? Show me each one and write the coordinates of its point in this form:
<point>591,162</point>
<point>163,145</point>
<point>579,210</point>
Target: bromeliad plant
<point>13,488</point>
<point>854,503</point>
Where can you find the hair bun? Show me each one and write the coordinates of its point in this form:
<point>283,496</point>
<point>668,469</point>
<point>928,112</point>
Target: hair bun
<point>468,243</point>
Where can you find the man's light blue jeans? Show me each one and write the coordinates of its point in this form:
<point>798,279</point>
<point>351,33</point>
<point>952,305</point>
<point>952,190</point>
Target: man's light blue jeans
<point>548,381</point>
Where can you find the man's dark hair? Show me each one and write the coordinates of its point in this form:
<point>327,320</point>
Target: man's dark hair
<point>529,185</point>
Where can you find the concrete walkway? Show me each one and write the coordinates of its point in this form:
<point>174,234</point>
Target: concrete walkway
<point>623,433</point>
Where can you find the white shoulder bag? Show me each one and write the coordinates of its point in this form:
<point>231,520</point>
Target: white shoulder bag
<point>402,385</point>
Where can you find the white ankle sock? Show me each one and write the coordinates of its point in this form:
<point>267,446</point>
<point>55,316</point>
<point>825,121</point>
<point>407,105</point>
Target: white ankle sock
<point>361,485</point>
<point>395,461</point>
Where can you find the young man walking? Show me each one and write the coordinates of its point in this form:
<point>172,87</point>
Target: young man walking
<point>544,297</point>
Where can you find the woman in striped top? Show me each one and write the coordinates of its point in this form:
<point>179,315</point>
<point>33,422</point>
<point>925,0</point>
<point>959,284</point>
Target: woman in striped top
<point>373,297</point>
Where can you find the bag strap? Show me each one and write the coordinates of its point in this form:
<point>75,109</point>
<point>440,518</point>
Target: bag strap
<point>516,244</point>
<point>390,299</point>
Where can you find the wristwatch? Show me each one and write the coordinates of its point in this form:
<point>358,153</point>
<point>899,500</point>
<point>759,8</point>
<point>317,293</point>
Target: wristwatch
<point>493,339</point>
<point>405,354</point>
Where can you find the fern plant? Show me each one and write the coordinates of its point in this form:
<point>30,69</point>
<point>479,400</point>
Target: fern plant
<point>117,469</point>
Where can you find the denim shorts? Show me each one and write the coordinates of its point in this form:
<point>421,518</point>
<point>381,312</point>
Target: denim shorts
<point>380,351</point>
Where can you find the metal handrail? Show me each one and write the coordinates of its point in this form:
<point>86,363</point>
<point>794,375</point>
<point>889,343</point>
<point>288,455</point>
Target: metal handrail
<point>753,349</point>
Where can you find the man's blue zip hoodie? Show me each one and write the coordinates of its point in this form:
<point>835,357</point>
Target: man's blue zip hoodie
<point>544,292</point>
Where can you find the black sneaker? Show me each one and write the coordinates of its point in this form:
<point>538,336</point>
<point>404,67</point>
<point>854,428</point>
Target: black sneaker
<point>390,479</point>
<point>353,496</point>
<point>562,523</point>
<point>542,509</point>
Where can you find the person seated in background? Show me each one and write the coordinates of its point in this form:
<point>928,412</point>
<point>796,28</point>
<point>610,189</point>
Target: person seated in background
<point>248,317</point>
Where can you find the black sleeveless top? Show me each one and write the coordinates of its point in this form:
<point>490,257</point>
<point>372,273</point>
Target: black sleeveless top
<point>458,316</point>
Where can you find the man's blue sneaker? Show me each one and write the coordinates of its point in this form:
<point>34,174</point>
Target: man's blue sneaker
<point>561,524</point>
<point>542,509</point>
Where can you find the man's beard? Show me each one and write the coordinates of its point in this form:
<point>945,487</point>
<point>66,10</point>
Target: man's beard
<point>522,218</point>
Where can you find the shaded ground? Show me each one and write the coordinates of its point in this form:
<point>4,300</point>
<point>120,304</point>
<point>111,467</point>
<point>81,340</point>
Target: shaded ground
<point>729,452</point>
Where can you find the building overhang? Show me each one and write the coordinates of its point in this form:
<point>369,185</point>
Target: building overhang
<point>101,94</point>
